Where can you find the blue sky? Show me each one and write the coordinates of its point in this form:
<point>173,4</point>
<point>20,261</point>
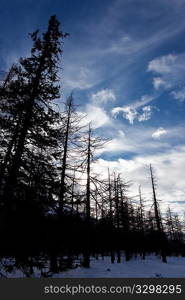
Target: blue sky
<point>125,62</point>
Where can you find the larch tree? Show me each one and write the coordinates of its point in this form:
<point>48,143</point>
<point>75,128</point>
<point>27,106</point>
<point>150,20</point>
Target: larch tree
<point>29,139</point>
<point>34,88</point>
<point>161,234</point>
<point>91,143</point>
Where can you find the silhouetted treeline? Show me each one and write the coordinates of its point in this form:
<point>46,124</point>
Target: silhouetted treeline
<point>53,207</point>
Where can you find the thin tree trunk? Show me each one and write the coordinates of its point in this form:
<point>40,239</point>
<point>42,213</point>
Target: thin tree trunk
<point>86,262</point>
<point>64,159</point>
<point>161,234</point>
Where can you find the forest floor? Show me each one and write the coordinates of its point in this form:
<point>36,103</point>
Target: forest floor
<point>151,267</point>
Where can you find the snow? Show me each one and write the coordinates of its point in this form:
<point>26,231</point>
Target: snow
<point>151,267</point>
<point>135,268</point>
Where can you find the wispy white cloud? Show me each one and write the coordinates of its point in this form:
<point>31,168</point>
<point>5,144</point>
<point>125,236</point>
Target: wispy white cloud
<point>170,70</point>
<point>179,95</point>
<point>163,64</point>
<point>95,115</point>
<point>158,82</point>
<point>131,113</point>
<point>140,140</point>
<point>80,76</point>
<point>134,140</point>
<point>146,113</point>
<point>160,131</point>
<point>95,109</point>
<point>103,97</point>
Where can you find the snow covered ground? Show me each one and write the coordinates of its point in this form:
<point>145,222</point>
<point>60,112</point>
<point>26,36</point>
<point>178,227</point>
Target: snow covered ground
<point>151,267</point>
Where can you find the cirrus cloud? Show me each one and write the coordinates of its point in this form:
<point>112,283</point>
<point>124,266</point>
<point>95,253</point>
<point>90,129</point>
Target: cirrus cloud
<point>160,131</point>
<point>131,112</point>
<point>103,97</point>
<point>170,71</point>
